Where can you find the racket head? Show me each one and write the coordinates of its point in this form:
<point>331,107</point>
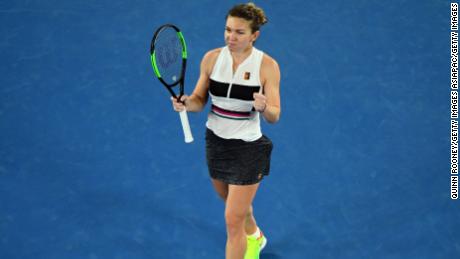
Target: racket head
<point>168,55</point>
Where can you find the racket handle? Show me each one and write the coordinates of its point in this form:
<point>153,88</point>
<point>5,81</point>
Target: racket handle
<point>186,126</point>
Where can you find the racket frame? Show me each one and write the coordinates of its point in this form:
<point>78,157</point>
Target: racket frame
<point>183,114</point>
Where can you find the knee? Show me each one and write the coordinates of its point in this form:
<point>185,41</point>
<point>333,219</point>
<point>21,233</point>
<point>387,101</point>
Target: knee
<point>235,222</point>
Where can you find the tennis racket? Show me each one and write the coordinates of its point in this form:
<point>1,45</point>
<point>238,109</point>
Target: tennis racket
<point>168,54</point>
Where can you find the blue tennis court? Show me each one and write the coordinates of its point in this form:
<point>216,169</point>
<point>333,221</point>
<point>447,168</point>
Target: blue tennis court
<point>93,163</point>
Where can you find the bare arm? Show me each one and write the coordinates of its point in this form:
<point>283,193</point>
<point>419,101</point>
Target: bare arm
<point>198,99</point>
<point>269,103</point>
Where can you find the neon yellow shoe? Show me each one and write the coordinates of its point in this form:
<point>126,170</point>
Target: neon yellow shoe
<point>254,246</point>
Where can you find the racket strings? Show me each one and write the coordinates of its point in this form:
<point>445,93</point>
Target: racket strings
<point>168,53</point>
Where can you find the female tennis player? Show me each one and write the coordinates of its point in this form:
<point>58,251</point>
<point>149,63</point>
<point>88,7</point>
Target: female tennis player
<point>243,83</point>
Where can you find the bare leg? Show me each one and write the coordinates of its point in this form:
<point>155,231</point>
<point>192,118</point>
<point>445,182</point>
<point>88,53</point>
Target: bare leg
<point>222,190</point>
<point>250,225</point>
<point>239,200</point>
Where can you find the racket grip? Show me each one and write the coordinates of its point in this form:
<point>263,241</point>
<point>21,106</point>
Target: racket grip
<point>186,126</point>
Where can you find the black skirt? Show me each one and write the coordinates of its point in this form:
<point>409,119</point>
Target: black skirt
<point>236,161</point>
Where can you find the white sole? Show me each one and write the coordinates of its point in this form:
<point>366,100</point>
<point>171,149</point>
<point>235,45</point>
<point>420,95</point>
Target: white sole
<point>264,243</point>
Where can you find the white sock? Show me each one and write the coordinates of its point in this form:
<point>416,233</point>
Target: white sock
<point>256,234</point>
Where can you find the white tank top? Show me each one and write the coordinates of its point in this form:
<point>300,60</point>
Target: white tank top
<point>232,115</point>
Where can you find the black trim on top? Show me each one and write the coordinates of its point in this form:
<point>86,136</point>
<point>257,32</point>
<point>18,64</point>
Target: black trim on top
<point>218,88</point>
<point>244,92</point>
<point>240,92</point>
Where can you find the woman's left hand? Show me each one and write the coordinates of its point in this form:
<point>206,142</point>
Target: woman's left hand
<point>260,102</point>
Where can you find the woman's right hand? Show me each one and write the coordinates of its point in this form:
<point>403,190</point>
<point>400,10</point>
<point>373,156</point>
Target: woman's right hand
<point>179,106</point>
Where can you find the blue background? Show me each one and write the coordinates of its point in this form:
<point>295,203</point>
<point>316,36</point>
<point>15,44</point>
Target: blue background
<point>93,164</point>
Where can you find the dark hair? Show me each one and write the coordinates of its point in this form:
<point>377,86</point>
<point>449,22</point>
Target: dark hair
<point>251,13</point>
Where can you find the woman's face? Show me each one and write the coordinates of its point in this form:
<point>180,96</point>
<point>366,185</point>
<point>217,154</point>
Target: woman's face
<point>238,35</point>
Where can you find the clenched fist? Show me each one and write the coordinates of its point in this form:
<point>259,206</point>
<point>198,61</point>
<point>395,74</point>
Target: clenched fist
<point>260,102</point>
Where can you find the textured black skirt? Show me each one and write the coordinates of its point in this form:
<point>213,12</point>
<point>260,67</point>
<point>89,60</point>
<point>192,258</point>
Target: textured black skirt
<point>236,161</point>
